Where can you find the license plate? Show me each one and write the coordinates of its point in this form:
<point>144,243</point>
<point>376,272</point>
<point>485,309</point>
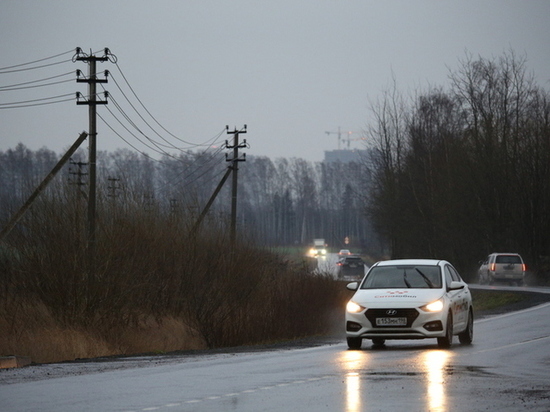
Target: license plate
<point>391,321</point>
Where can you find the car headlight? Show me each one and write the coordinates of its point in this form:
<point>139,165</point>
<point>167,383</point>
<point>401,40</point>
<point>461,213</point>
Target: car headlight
<point>436,306</point>
<point>353,307</point>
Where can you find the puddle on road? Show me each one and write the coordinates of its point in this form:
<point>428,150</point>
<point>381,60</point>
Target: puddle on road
<point>469,370</point>
<point>478,371</point>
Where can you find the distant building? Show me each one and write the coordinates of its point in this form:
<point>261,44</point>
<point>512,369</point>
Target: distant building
<point>345,156</point>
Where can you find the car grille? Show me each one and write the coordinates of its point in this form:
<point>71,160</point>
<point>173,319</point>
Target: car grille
<point>410,314</point>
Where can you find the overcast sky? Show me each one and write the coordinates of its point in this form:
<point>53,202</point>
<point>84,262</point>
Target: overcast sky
<point>291,70</point>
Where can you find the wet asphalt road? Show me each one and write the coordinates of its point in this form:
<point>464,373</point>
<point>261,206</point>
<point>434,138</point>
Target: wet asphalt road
<point>507,368</point>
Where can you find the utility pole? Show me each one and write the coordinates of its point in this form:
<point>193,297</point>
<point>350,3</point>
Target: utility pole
<point>234,167</point>
<point>79,174</point>
<point>112,187</point>
<point>15,218</point>
<point>210,201</point>
<point>92,103</point>
<point>230,170</point>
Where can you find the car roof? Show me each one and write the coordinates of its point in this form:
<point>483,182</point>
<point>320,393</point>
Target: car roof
<point>427,262</point>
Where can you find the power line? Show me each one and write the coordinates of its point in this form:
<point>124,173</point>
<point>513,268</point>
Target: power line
<point>135,126</point>
<point>149,113</point>
<point>156,150</point>
<point>3,69</point>
<point>180,177</point>
<point>142,118</point>
<point>141,141</point>
<point>21,86</point>
<point>35,67</point>
<point>36,81</point>
<point>36,104</point>
<point>13,105</point>
<point>156,143</point>
<point>159,146</point>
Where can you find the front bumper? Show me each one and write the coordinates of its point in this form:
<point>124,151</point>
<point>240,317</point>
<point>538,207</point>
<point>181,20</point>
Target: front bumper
<point>420,324</point>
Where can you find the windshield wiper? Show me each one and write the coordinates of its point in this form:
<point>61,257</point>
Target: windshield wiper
<point>405,278</point>
<point>428,281</point>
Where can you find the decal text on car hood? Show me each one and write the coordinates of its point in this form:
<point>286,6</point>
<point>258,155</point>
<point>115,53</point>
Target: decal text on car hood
<point>395,294</point>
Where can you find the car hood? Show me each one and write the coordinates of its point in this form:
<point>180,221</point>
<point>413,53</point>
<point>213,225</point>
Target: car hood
<point>380,298</point>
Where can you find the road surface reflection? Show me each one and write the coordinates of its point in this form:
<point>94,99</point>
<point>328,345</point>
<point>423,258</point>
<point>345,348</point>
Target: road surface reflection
<point>435,364</point>
<point>428,368</point>
<point>353,363</point>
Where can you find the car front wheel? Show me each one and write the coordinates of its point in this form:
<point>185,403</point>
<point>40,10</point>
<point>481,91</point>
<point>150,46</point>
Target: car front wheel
<point>354,343</point>
<point>446,341</point>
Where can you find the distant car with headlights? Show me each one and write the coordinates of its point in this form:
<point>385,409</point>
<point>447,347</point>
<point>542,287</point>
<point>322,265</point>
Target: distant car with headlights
<point>410,299</point>
<point>502,267</point>
<point>344,252</point>
<point>319,248</point>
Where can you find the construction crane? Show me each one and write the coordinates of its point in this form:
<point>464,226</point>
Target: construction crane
<point>340,133</point>
<point>349,139</point>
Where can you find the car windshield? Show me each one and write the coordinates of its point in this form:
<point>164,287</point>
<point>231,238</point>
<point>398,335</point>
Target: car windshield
<point>421,277</point>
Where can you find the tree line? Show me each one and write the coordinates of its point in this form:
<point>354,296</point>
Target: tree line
<point>281,202</point>
<point>465,171</point>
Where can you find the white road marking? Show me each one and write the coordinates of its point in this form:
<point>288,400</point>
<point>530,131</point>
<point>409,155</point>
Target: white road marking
<point>230,395</point>
<point>512,345</point>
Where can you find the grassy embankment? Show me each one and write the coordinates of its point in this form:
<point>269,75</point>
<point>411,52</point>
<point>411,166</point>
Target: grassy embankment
<point>487,300</point>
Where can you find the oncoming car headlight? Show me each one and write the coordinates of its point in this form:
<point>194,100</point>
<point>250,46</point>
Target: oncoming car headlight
<point>436,306</point>
<point>353,307</point>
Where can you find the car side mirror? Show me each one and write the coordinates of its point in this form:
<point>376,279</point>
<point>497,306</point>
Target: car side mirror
<point>352,286</point>
<point>456,285</point>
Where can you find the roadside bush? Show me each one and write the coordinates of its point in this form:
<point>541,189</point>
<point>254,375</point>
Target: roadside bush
<point>151,279</point>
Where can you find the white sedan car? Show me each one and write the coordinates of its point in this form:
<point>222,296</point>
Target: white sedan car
<point>410,299</point>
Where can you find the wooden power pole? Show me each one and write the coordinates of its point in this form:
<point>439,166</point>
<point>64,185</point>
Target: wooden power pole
<point>234,167</point>
<point>92,103</point>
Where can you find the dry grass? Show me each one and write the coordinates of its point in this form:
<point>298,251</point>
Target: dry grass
<point>34,332</point>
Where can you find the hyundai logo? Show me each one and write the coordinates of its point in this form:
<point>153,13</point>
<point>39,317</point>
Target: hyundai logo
<point>391,312</point>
